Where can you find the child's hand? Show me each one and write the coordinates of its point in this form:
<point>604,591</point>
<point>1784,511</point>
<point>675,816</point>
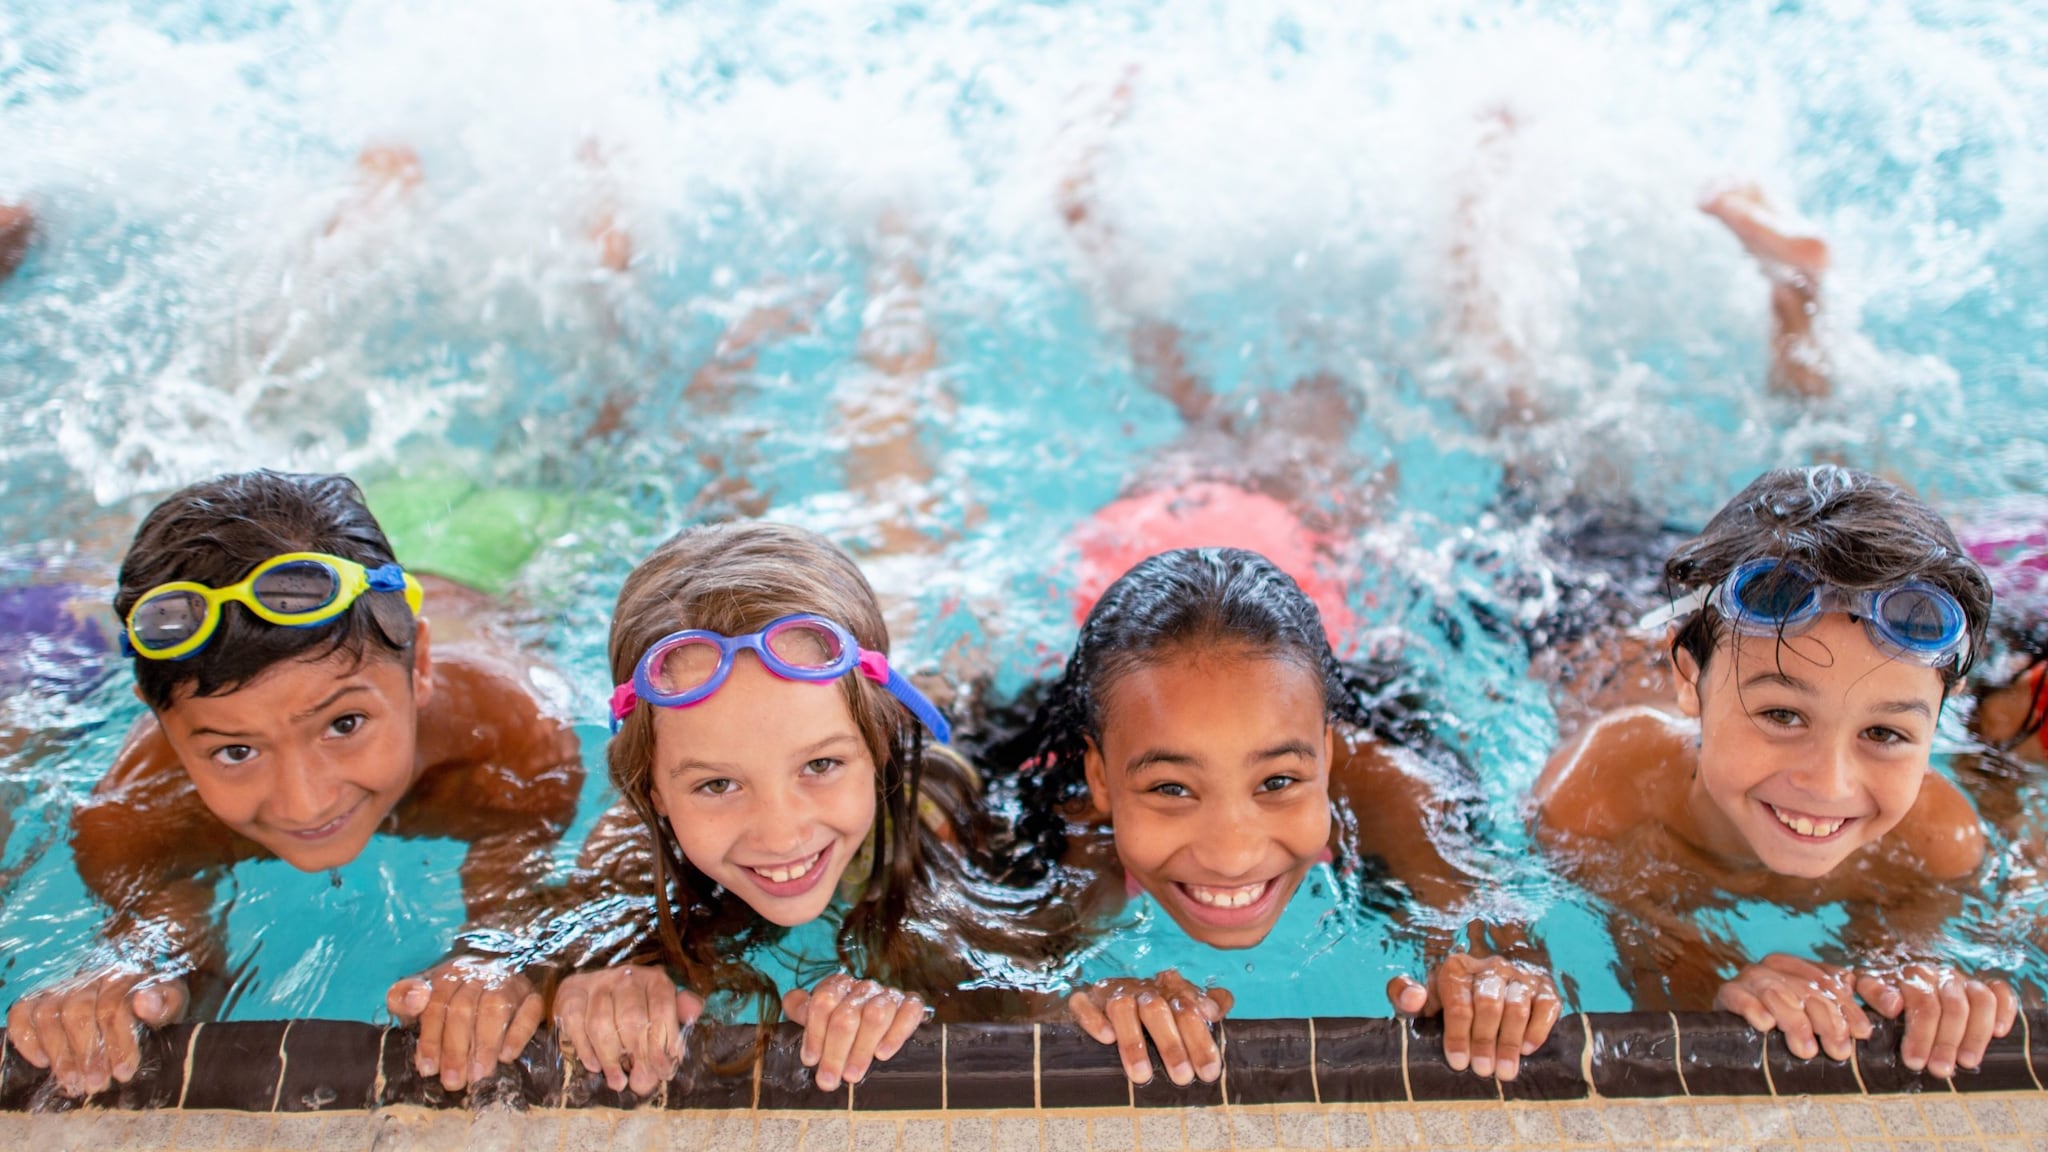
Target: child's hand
<point>849,1024</point>
<point>627,1023</point>
<point>83,1030</point>
<point>1950,1017</point>
<point>1175,1011</point>
<point>473,1014</point>
<point>1495,1011</point>
<point>1807,1001</point>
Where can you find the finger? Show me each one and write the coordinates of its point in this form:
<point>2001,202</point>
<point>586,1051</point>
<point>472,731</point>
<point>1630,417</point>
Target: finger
<point>82,1036</point>
<point>407,999</point>
<point>1881,995</point>
<point>1223,1001</point>
<point>826,999</point>
<point>652,1063</point>
<point>877,1019</point>
<point>1453,991</point>
<point>113,1025</point>
<point>1542,1018</point>
<point>1829,1026</point>
<point>1408,995</point>
<point>796,1005</point>
<point>844,1032</point>
<point>159,1002</point>
<point>1923,1016</point>
<point>908,1017</point>
<point>1488,996</point>
<point>572,1010</point>
<point>1954,998</point>
<point>1516,1008</point>
<point>605,1041</point>
<point>630,1009</point>
<point>118,1034</point>
<point>1736,998</point>
<point>2008,1007</point>
<point>1090,1016</point>
<point>49,1014</point>
<point>21,1031</point>
<point>1199,1041</point>
<point>458,1029</point>
<point>432,1019</point>
<point>1157,1016</point>
<point>1130,1038</point>
<point>1977,1031</point>
<point>494,1013</point>
<point>689,1006</point>
<point>524,1024</point>
<point>1792,1021</point>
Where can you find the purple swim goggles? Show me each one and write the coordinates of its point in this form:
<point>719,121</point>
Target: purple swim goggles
<point>684,668</point>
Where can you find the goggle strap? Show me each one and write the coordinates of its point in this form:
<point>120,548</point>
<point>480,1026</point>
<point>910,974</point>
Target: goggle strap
<point>1679,609</point>
<point>623,699</point>
<point>386,578</point>
<point>875,666</point>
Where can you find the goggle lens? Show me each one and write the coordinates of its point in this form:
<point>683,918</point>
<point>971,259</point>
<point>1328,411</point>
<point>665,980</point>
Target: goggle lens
<point>1779,593</point>
<point>685,667</point>
<point>1919,618</point>
<point>169,619</point>
<point>806,647</point>
<point>296,588</point>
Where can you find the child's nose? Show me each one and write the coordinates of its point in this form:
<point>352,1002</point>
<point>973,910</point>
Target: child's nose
<point>300,793</point>
<point>781,823</point>
<point>1829,775</point>
<point>1229,844</point>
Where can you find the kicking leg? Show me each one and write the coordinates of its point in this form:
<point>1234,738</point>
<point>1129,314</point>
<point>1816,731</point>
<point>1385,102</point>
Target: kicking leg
<point>1794,259</point>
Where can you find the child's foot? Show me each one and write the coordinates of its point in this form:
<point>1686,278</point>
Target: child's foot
<point>1782,244</point>
<point>17,224</point>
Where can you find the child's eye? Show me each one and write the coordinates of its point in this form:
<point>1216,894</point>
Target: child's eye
<point>1782,717</point>
<point>820,766</point>
<point>1277,783</point>
<point>1170,788</point>
<point>234,755</point>
<point>1888,736</point>
<point>722,786</point>
<point>348,725</point>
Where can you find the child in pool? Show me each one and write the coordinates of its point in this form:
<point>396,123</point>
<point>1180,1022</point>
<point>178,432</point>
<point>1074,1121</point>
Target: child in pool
<point>763,795</point>
<point>1204,724</point>
<point>17,228</point>
<point>299,741</point>
<point>1827,615</point>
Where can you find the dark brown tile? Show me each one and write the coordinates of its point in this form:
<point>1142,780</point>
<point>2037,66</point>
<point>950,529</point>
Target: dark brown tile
<point>402,1082</point>
<point>1268,1062</point>
<point>1820,1076</point>
<point>24,1087</point>
<point>718,1068</point>
<point>1162,1092</point>
<point>912,1079</point>
<point>330,1064</point>
<point>2004,1068</point>
<point>159,1078</point>
<point>1636,1054</point>
<point>236,1065</point>
<point>1721,1054</point>
<point>540,1070</point>
<point>1878,1060</point>
<point>1078,1071</point>
<point>1555,1070</point>
<point>1430,1075</point>
<point>989,1066</point>
<point>786,1083</point>
<point>1358,1061</point>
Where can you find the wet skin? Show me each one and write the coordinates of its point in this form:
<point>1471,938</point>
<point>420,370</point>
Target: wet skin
<point>305,763</point>
<point>1794,773</point>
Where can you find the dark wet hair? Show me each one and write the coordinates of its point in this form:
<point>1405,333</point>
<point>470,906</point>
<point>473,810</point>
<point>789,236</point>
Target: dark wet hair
<point>1849,528</point>
<point>1190,597</point>
<point>215,532</point>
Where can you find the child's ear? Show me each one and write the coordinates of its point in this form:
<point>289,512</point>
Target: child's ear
<point>422,665</point>
<point>1686,684</point>
<point>660,805</point>
<point>1098,781</point>
<point>1330,744</point>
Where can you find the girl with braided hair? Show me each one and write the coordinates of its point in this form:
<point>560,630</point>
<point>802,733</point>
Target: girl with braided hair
<point>1205,725</point>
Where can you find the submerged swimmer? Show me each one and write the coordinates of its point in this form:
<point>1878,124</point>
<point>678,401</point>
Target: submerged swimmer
<point>295,712</point>
<point>1825,617</point>
<point>17,228</point>
<point>1199,747</point>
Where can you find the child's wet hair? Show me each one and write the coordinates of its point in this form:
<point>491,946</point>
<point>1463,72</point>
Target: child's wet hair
<point>216,532</point>
<point>1850,529</point>
<point>1219,598</point>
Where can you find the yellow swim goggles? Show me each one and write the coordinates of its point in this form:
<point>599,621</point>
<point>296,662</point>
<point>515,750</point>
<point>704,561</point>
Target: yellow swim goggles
<point>295,590</point>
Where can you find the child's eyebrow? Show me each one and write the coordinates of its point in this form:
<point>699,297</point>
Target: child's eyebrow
<point>837,740</point>
<point>1298,748</point>
<point>1914,707</point>
<point>1155,756</point>
<point>1781,679</point>
<point>323,705</point>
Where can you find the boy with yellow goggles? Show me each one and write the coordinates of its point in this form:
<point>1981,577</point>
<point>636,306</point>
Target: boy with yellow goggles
<point>295,590</point>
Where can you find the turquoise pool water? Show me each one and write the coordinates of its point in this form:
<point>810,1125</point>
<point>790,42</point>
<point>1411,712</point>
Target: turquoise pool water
<point>1283,189</point>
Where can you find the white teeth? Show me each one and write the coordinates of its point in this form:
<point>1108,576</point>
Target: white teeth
<point>784,873</point>
<point>1226,897</point>
<point>1805,826</point>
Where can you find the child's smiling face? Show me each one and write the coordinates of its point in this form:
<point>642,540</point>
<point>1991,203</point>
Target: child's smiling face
<point>1812,746</point>
<point>310,757</point>
<point>1214,769</point>
<point>768,788</point>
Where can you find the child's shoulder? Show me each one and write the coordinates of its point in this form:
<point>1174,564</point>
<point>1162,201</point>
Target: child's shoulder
<point>1943,831</point>
<point>1612,776</point>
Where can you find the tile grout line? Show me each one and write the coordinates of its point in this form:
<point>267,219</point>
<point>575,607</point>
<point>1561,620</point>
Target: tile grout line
<point>760,1057</point>
<point>283,1063</point>
<point>2027,1048</point>
<point>1586,1060</point>
<point>192,1050</point>
<point>1770,1081</point>
<point>1407,1089</point>
<point>1315,1080</point>
<point>1037,1070</point>
<point>945,1068</point>
<point>1223,1064</point>
<point>1678,1054</point>
<point>1855,1069</point>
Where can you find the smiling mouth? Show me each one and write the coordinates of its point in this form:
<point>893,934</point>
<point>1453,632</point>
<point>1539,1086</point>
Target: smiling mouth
<point>327,829</point>
<point>1231,906</point>
<point>1812,829</point>
<point>794,878</point>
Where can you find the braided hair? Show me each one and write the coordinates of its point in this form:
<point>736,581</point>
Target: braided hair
<point>1189,597</point>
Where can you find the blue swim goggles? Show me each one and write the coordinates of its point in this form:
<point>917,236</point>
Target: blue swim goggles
<point>1915,621</point>
<point>684,668</point>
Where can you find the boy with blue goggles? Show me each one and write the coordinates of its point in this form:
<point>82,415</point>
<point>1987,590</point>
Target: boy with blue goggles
<point>1913,621</point>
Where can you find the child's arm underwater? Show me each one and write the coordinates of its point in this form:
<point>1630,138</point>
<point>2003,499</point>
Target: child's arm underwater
<point>1496,1007</point>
